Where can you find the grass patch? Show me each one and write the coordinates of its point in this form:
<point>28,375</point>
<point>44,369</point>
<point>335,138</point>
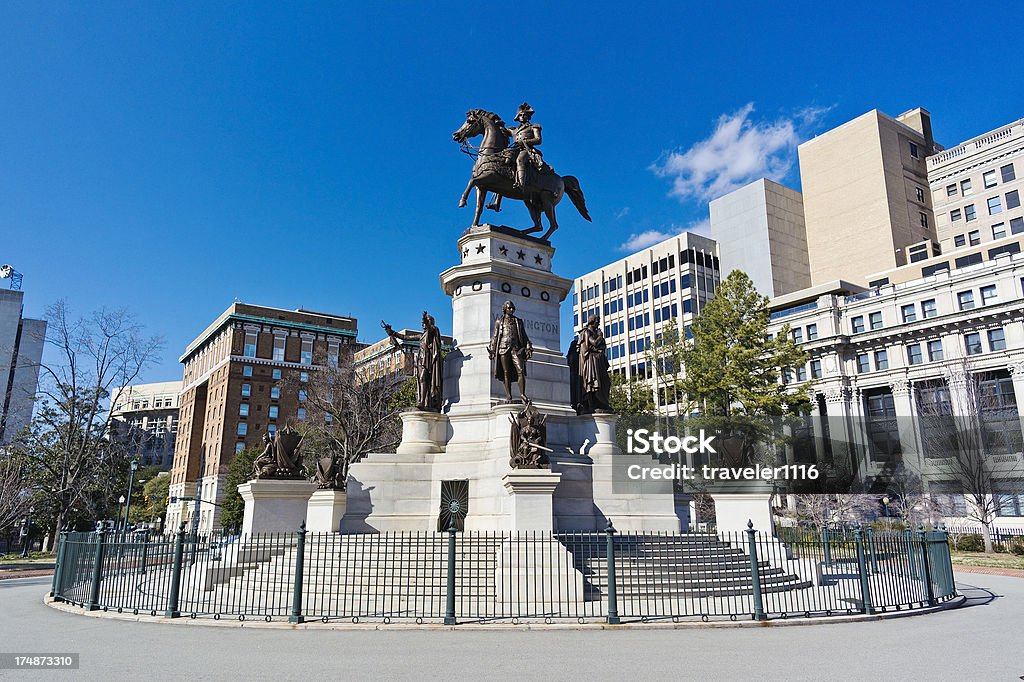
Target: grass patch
<point>33,558</point>
<point>988,560</point>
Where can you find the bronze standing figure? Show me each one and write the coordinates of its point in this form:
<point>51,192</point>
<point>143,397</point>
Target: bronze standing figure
<point>429,362</point>
<point>510,348</point>
<point>595,382</point>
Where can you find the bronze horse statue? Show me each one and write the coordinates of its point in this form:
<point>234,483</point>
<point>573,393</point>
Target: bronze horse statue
<point>494,172</point>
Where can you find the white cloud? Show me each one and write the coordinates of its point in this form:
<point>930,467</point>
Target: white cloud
<point>622,213</point>
<point>739,151</point>
<point>641,240</point>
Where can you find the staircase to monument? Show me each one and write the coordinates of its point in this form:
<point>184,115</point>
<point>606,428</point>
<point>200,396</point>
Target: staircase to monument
<point>374,573</point>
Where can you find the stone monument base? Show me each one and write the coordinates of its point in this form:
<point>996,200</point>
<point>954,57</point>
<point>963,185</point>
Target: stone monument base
<point>324,511</point>
<point>734,510</point>
<point>531,491</point>
<point>274,506</point>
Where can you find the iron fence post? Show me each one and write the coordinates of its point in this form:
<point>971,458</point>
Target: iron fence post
<point>57,589</point>
<point>862,571</point>
<point>755,572</point>
<point>908,536</point>
<point>300,553</point>
<point>145,552</point>
<point>871,549</point>
<point>926,565</point>
<point>179,553</point>
<point>826,548</point>
<point>613,595</point>
<point>97,569</point>
<point>449,611</point>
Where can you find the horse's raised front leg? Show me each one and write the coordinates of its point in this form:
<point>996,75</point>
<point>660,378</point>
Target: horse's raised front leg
<point>481,196</point>
<point>535,214</point>
<point>465,195</point>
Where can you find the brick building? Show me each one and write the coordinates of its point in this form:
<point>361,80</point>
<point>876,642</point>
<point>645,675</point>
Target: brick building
<point>233,392</point>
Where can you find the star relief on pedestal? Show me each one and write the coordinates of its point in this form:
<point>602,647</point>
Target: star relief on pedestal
<point>520,254</point>
<point>538,259</point>
<point>480,248</point>
<point>503,250</point>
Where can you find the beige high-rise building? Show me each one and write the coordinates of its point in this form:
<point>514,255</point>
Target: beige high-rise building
<point>866,182</point>
<point>976,188</point>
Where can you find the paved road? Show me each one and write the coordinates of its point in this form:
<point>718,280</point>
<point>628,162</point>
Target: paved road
<point>982,641</point>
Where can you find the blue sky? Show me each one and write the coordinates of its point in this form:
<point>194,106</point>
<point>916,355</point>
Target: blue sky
<point>170,158</point>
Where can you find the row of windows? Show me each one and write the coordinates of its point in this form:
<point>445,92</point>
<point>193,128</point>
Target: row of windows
<point>965,299</point>
<point>305,353</point>
<point>998,232</point>
<point>994,204</point>
<point>916,351</point>
<point>989,178</point>
<point>798,333</point>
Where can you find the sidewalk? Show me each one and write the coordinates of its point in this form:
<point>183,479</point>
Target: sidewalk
<point>989,570</point>
<point>28,569</point>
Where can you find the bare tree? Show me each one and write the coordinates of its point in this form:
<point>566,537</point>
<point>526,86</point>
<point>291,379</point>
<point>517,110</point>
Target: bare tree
<point>836,509</point>
<point>907,499</point>
<point>69,460</point>
<point>348,417</point>
<point>971,433</point>
<point>15,495</point>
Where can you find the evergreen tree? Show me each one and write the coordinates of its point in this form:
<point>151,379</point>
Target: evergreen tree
<point>734,370</point>
<point>232,507</point>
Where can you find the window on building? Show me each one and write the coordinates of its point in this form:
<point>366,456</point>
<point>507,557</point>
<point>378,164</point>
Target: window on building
<point>243,410</point>
<point>923,218</point>
<point>998,230</point>
<point>272,412</point>
<point>972,343</point>
<point>243,428</point>
<point>246,390</point>
<point>275,374</point>
<point>960,240</point>
<point>881,359</point>
<point>1012,200</point>
<point>863,363</point>
<point>306,357</point>
<point>1000,422</point>
<point>1016,225</point>
<point>955,215</point>
<point>969,259</point>
<point>271,429</point>
<point>935,350</point>
<point>302,395</point>
<point>965,299</point>
<point>857,324</point>
<point>332,355</point>
<point>247,371</point>
<point>988,294</point>
<point>935,409</point>
<point>914,354</point>
<point>920,194</point>
<point>913,151</point>
<point>1007,172</point>
<point>239,446</point>
<point>989,178</point>
<point>250,345</point>
<point>279,342</point>
<point>300,414</point>
<point>875,320</point>
<point>304,377</point>
<point>908,312</point>
<point>965,187</point>
<point>798,335</point>
<point>969,213</point>
<point>815,369</point>
<point>812,332</point>
<point>882,429</point>
<point>801,373</point>
<point>996,339</point>
<point>974,237</point>
<point>995,205</point>
<point>929,309</point>
<point>275,392</point>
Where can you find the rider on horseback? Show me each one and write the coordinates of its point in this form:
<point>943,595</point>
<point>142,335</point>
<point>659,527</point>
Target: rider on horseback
<point>525,139</point>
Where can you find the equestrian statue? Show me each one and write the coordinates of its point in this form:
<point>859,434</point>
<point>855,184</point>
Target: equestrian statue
<point>516,170</point>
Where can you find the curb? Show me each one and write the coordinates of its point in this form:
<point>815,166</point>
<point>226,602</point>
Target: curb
<point>478,627</point>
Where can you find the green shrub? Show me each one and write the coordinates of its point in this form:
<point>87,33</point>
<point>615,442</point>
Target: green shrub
<point>1017,547</point>
<point>968,542</point>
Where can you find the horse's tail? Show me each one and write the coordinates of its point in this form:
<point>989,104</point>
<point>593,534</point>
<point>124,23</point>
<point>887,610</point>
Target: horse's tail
<point>572,188</point>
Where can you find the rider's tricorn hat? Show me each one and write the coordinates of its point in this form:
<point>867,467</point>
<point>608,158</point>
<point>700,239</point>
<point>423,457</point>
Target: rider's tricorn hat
<point>524,108</point>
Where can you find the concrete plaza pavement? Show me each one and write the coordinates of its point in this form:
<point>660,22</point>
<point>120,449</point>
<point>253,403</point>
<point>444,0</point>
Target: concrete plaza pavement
<point>980,641</point>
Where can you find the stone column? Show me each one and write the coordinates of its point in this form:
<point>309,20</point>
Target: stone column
<point>531,491</point>
<point>1017,373</point>
<point>837,405</point>
<point>907,422</point>
<point>423,432</point>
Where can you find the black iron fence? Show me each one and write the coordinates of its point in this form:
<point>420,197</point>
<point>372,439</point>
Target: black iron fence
<point>970,536</point>
<point>455,577</point>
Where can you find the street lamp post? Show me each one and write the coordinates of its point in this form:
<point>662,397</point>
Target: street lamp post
<point>133,467</point>
<point>120,503</point>
<point>26,530</point>
<point>885,507</point>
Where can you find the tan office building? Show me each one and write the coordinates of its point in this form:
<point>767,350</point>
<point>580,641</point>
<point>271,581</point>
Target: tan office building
<point>232,393</point>
<point>865,183</point>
